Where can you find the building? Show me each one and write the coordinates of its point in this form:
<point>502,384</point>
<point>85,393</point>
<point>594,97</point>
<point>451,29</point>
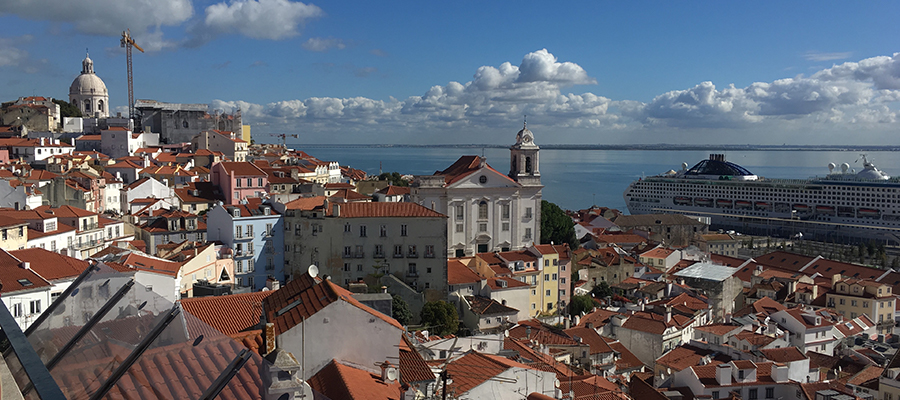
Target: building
<point>717,282</point>
<point>488,211</point>
<point>179,123</point>
<point>239,180</point>
<point>672,229</point>
<point>853,297</point>
<point>24,292</point>
<point>13,233</point>
<point>88,92</point>
<point>254,232</point>
<point>749,380</point>
<point>228,143</point>
<point>170,226</point>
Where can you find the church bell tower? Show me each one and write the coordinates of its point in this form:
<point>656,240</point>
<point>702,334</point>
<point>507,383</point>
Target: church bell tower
<point>524,162</point>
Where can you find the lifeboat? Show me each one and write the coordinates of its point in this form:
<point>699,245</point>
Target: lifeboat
<point>801,207</point>
<point>825,210</point>
<point>683,201</point>
<point>723,203</point>
<point>704,202</point>
<point>869,212</point>
<point>742,204</point>
<point>761,205</point>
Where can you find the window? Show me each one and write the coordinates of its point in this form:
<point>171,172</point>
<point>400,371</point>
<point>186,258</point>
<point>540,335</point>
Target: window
<point>549,306</point>
<point>249,182</point>
<point>237,183</point>
<point>547,262</point>
<point>35,307</point>
<point>741,372</point>
<point>752,394</point>
<point>362,231</point>
<point>379,251</point>
<point>527,212</point>
<point>505,227</point>
<point>459,213</point>
<point>250,248</point>
<point>251,266</point>
<point>562,281</point>
<point>429,251</point>
<point>403,230</point>
<point>347,227</point>
<point>398,251</point>
<point>412,251</point>
<point>238,231</point>
<point>412,269</point>
<point>259,182</point>
<point>239,266</point>
<point>347,250</point>
<point>347,267</point>
<point>459,228</point>
<point>527,233</point>
<point>547,277</point>
<point>359,251</point>
<point>384,231</point>
<point>482,227</point>
<point>269,231</point>
<point>17,310</point>
<point>482,179</point>
<point>482,210</point>
<point>504,211</point>
<point>359,267</point>
<point>770,393</point>
<point>715,394</point>
<point>249,230</point>
<point>548,293</point>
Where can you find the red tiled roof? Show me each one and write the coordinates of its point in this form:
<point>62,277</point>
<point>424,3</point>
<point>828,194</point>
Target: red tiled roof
<point>659,252</point>
<point>718,329</point>
<point>475,368</point>
<point>343,382</point>
<point>16,278</point>
<point>591,338</point>
<point>465,166</point>
<point>784,354</point>
<point>535,330</point>
<point>627,360</point>
<point>302,297</point>
<point>241,168</point>
<point>305,203</point>
<point>413,367</point>
<point>687,355</point>
<point>458,273</point>
<point>511,283</point>
<point>150,264</point>
<point>229,314</point>
<point>394,190</point>
<point>50,265</point>
<point>391,209</point>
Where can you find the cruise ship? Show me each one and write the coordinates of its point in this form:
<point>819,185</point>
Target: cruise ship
<point>844,206</point>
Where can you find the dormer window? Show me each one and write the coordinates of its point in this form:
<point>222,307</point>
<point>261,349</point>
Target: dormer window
<point>267,211</point>
<point>236,212</point>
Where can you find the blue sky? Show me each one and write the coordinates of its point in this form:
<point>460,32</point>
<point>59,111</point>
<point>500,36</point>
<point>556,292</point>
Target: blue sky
<point>467,72</point>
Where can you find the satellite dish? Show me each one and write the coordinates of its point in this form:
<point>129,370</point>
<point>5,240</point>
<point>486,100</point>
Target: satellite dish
<point>313,271</point>
<point>391,374</point>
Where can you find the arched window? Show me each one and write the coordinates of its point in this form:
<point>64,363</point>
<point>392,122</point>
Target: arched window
<point>87,106</point>
<point>100,105</point>
<point>513,166</point>
<point>528,165</point>
<point>482,210</point>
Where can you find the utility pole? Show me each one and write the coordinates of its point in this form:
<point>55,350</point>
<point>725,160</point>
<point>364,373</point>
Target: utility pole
<point>444,376</point>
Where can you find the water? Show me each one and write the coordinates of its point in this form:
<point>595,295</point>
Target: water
<point>576,179</point>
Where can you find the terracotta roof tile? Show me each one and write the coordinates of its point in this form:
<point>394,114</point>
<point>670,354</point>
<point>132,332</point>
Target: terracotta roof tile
<point>413,367</point>
<point>343,382</point>
<point>459,274</point>
<point>379,210</point>
<point>475,368</point>
<point>229,314</point>
<point>50,265</point>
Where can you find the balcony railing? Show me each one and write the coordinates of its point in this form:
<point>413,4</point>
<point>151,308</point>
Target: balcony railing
<point>412,254</point>
<point>429,255</point>
<point>378,255</point>
<point>359,254</point>
<point>398,255</point>
<point>412,274</point>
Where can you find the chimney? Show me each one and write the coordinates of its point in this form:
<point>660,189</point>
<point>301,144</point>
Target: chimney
<point>336,210</point>
<point>388,373</point>
<point>25,265</point>
<point>589,325</point>
<point>835,278</point>
<point>727,318</point>
<point>384,289</point>
<point>641,302</point>
<point>780,372</point>
<point>269,337</point>
<point>668,314</point>
<point>723,374</point>
<point>42,142</point>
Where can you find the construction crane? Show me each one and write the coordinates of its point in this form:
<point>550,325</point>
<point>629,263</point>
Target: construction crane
<point>284,137</point>
<point>128,42</point>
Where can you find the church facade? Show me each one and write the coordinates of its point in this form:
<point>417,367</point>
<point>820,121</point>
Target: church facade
<point>488,210</point>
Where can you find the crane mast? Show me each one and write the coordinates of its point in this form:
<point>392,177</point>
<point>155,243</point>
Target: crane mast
<point>128,42</point>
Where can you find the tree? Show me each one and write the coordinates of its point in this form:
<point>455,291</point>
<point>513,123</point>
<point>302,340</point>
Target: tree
<point>602,290</point>
<point>556,226</point>
<point>67,109</point>
<point>394,178</point>
<point>580,304</point>
<point>440,317</point>
<point>400,310</point>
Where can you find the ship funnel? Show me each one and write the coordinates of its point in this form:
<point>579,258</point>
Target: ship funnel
<point>845,167</point>
<point>684,166</point>
<point>831,167</point>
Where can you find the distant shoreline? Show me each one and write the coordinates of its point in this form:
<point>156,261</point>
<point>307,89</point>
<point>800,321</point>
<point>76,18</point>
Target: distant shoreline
<point>660,146</point>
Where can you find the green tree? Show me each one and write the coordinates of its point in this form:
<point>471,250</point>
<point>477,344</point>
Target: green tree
<point>394,178</point>
<point>440,317</point>
<point>400,310</point>
<point>556,226</point>
<point>895,264</point>
<point>67,109</point>
<point>602,290</point>
<point>580,304</point>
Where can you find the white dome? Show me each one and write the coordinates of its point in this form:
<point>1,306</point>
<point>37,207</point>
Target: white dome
<point>88,84</point>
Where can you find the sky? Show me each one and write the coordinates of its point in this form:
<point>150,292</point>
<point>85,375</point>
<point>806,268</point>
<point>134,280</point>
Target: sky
<point>363,72</point>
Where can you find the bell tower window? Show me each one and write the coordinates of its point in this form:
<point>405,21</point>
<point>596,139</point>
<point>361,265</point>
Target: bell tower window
<point>528,165</point>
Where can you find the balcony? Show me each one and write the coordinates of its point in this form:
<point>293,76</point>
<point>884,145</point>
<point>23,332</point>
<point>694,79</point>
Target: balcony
<point>412,254</point>
<point>429,255</point>
<point>398,255</point>
<point>378,255</point>
<point>359,254</point>
<point>86,244</point>
<point>89,227</point>
<point>412,274</point>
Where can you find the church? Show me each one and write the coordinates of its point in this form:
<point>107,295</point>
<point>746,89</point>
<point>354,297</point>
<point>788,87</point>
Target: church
<point>88,92</point>
<point>488,211</point>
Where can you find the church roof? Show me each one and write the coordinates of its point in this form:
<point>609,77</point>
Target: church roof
<point>465,166</point>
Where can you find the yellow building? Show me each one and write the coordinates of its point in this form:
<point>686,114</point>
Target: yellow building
<point>854,297</point>
<point>245,133</point>
<point>13,233</point>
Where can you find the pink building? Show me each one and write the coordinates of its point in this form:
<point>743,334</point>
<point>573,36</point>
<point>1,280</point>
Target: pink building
<point>239,180</point>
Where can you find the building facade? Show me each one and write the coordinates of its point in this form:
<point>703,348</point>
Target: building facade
<point>255,234</point>
<point>488,211</point>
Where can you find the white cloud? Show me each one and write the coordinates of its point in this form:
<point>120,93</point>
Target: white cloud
<point>10,55</point>
<point>324,44</point>
<point>106,17</point>
<point>817,56</point>
<point>851,95</point>
<point>257,19</point>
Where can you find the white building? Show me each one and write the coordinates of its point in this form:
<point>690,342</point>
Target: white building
<point>117,141</point>
<point>488,211</point>
<point>146,188</point>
